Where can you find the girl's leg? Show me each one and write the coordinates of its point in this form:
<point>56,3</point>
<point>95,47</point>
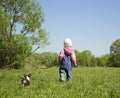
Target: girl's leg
<point>69,74</point>
<point>62,75</point>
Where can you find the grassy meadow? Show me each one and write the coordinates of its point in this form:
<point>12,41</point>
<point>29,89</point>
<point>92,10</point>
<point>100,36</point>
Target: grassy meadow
<point>94,82</point>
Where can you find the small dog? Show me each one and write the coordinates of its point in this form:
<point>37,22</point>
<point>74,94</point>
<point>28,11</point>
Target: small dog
<point>26,80</point>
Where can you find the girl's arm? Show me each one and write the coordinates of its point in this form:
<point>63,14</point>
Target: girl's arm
<point>73,56</point>
<point>61,55</point>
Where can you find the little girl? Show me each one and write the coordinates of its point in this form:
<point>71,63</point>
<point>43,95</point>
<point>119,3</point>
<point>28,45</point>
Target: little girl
<point>67,57</point>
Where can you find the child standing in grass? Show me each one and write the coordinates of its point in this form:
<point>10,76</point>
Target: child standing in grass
<point>67,57</point>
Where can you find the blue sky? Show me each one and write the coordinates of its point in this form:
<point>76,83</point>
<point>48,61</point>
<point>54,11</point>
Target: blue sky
<point>90,24</point>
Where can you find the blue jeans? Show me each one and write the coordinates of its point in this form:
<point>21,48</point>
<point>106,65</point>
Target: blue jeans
<point>65,73</point>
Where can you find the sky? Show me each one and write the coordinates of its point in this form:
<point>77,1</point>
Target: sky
<point>91,24</point>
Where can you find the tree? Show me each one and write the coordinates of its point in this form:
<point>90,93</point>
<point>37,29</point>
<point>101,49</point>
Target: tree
<point>103,60</point>
<point>87,58</point>
<point>46,59</point>
<point>20,29</point>
<point>93,62</point>
<point>114,60</point>
<point>78,58</point>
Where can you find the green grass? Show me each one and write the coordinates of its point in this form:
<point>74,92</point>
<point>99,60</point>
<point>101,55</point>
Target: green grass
<point>86,83</point>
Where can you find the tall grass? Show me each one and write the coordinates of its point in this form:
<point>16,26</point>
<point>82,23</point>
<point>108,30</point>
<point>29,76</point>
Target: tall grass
<point>86,83</point>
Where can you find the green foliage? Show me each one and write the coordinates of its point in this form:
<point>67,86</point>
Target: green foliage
<point>85,58</point>
<point>114,60</point>
<point>12,53</point>
<point>103,60</point>
<point>115,47</point>
<point>17,43</point>
<point>86,83</point>
<point>46,59</point>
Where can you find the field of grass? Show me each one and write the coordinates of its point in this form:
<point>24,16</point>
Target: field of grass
<point>87,83</point>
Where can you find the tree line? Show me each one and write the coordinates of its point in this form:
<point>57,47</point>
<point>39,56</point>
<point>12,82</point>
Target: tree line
<point>84,58</point>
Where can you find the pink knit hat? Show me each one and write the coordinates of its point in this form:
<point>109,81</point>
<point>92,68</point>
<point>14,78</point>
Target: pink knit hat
<point>67,42</point>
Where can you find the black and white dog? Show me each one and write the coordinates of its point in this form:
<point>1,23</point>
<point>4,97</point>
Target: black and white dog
<point>26,80</point>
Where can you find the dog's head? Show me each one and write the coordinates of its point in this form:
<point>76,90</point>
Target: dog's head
<point>27,77</point>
